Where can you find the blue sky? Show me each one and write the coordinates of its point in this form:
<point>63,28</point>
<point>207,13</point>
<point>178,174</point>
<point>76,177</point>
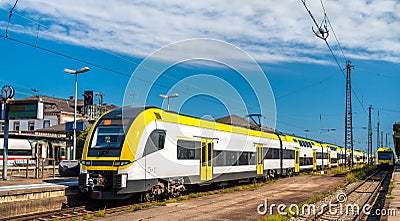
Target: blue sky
<point>308,86</point>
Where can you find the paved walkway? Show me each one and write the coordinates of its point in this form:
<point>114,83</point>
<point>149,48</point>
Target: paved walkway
<point>395,202</point>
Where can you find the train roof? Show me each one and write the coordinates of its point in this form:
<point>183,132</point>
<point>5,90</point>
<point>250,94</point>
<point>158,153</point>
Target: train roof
<point>14,143</point>
<point>384,149</point>
<point>129,113</point>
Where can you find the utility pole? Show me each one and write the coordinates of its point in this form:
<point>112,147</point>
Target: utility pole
<point>386,144</point>
<point>348,133</point>
<point>5,150</point>
<point>369,135</point>
<point>377,138</point>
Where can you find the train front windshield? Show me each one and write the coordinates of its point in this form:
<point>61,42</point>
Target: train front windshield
<point>385,155</point>
<point>108,138</point>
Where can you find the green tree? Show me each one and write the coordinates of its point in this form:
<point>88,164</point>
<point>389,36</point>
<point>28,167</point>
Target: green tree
<point>80,143</point>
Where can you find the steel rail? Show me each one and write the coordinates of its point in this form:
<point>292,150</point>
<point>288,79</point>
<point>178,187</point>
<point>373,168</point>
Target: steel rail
<point>371,198</point>
<point>323,210</point>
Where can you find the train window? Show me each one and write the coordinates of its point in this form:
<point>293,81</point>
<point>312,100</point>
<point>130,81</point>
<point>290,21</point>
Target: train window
<point>209,151</point>
<point>288,154</point>
<point>268,153</point>
<point>294,140</point>
<point>203,154</point>
<point>12,152</point>
<point>188,150</point>
<point>244,159</point>
<point>276,154</point>
<point>155,142</point>
<point>231,158</point>
<point>252,159</point>
<point>384,155</point>
<point>219,158</point>
<point>108,137</point>
<point>161,140</point>
<point>304,161</point>
<point>273,153</point>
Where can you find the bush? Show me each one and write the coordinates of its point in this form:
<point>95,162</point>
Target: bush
<point>360,173</point>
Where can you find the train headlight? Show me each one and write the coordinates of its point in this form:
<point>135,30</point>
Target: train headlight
<point>121,163</point>
<point>86,162</point>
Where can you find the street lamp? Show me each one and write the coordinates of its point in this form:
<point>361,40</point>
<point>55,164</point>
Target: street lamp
<point>168,97</point>
<point>76,72</point>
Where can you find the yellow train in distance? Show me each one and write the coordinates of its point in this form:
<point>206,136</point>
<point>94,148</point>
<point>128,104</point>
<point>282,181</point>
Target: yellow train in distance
<point>385,157</point>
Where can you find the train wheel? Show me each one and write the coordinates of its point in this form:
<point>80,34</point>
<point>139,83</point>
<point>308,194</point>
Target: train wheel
<point>149,197</point>
<point>290,172</point>
<point>272,174</point>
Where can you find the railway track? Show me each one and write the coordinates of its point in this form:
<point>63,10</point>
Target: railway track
<point>76,213</point>
<point>99,209</point>
<point>351,204</point>
<point>69,213</point>
<point>88,212</point>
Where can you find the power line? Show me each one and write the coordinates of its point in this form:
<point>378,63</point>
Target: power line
<point>306,87</point>
<point>330,25</point>
<point>324,38</point>
<point>9,17</point>
<point>109,69</point>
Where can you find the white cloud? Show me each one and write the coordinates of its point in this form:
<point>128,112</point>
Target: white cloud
<point>270,31</point>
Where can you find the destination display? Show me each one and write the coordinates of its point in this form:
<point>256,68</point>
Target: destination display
<point>28,110</point>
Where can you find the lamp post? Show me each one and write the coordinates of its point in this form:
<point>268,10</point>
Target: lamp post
<point>75,72</point>
<point>168,97</point>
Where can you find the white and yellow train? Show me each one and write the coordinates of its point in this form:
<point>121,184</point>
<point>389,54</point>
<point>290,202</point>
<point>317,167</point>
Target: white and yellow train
<point>137,150</point>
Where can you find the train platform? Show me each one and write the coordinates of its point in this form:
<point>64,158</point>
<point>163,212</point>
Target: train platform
<point>394,197</point>
<point>20,196</point>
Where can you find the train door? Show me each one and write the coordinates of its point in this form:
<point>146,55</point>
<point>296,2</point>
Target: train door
<point>329,160</point>
<point>260,158</point>
<point>296,160</point>
<point>314,159</point>
<point>206,167</point>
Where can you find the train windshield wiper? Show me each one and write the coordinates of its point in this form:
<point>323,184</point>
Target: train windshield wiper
<point>104,152</point>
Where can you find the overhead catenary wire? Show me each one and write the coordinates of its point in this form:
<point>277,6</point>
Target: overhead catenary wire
<point>104,67</point>
<point>306,87</point>
<point>107,68</point>
<point>9,17</point>
<point>326,19</point>
<point>91,63</point>
<point>330,25</point>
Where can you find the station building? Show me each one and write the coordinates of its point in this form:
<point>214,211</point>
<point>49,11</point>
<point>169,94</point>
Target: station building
<point>49,137</point>
<point>396,138</point>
